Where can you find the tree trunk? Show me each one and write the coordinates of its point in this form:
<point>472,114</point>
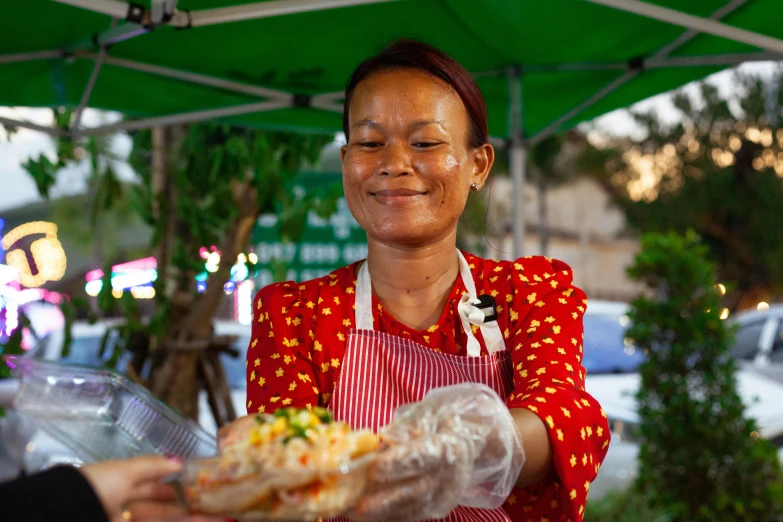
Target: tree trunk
<point>164,143</point>
<point>177,382</point>
<point>543,218</point>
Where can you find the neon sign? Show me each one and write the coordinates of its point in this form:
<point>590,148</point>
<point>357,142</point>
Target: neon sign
<point>135,276</point>
<point>48,256</point>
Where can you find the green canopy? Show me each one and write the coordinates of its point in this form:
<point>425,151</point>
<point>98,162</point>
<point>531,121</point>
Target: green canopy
<point>543,65</point>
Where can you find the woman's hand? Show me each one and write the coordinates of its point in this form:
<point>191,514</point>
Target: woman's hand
<point>458,446</point>
<point>230,434</point>
<point>132,488</point>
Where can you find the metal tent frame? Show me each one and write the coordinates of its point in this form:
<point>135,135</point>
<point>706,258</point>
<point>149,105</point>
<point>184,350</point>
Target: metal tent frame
<point>135,20</point>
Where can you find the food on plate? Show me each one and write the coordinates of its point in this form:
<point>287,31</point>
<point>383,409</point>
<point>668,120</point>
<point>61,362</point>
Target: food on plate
<point>293,464</point>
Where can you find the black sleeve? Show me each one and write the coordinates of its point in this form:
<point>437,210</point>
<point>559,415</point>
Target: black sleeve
<point>61,493</point>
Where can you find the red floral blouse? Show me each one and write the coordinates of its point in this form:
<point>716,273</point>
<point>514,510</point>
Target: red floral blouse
<point>298,342</point>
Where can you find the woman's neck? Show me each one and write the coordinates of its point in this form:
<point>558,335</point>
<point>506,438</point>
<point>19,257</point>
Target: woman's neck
<point>413,284</point>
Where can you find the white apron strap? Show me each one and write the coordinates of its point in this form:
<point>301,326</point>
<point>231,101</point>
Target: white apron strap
<point>468,313</point>
<point>363,299</point>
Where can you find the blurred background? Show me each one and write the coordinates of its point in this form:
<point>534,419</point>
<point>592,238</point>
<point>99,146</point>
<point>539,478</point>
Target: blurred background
<point>139,247</point>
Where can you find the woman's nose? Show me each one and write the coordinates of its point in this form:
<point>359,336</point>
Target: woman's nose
<point>395,160</point>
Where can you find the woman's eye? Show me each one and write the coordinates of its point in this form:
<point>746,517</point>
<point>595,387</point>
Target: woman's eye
<point>369,144</point>
<point>424,144</point>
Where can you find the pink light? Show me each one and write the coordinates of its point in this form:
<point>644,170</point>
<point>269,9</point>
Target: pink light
<point>203,252</point>
<point>146,263</point>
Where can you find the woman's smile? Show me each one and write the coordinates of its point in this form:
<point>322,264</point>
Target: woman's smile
<point>398,196</point>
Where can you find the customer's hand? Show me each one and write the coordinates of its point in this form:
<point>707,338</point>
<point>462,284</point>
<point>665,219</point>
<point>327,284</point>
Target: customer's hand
<point>131,490</point>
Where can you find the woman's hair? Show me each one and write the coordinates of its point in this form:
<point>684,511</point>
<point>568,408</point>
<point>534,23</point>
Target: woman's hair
<point>411,54</point>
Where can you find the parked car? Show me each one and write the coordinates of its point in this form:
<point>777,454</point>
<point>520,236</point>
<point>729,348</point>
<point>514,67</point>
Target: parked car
<point>611,361</point>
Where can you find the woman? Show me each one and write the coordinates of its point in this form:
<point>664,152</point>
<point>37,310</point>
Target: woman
<point>112,491</point>
<point>406,326</point>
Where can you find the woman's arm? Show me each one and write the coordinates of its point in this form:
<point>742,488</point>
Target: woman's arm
<point>538,450</point>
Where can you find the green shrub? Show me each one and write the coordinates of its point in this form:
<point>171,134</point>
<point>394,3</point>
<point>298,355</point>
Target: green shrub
<point>701,458</point>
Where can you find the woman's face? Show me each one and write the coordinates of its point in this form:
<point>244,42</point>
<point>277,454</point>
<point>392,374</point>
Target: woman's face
<point>407,166</point>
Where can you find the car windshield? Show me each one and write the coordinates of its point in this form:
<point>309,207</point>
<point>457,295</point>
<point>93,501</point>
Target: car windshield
<point>605,347</point>
<point>86,351</point>
<point>235,366</point>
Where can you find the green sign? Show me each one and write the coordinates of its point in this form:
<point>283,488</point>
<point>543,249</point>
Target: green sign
<point>325,245</point>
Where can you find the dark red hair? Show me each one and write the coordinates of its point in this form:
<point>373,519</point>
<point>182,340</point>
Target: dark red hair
<point>411,54</point>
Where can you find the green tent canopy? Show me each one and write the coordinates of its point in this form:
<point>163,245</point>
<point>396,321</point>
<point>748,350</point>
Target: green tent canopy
<point>543,65</point>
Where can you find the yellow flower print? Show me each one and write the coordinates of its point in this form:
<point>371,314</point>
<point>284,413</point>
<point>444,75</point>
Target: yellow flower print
<point>279,372</point>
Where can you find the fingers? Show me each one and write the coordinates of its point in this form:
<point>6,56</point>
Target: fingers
<point>401,500</point>
<point>155,492</point>
<point>157,512</point>
<point>139,470</point>
<point>228,435</point>
<point>428,455</point>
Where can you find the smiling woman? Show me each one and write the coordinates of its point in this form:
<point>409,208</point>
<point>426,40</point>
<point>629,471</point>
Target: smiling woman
<point>470,368</point>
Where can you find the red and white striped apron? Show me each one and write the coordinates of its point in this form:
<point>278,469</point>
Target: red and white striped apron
<point>381,372</point>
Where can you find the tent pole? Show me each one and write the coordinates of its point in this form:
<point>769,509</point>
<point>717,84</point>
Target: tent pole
<point>29,57</point>
<point>113,8</point>
<point>222,15</point>
<point>200,79</point>
<point>518,160</point>
<point>188,117</point>
<point>77,116</point>
<point>661,55</point>
<point>553,127</point>
<point>52,131</point>
<point>696,23</point>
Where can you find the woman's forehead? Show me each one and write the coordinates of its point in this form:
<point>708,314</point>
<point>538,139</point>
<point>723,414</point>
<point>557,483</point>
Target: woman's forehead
<point>415,97</point>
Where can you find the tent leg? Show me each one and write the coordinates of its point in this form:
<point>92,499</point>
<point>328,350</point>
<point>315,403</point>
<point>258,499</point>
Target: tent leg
<point>518,167</point>
<point>518,160</point>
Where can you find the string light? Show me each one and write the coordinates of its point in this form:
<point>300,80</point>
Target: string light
<point>762,306</point>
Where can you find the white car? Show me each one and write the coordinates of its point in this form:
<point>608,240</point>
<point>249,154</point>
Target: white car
<point>611,362</point>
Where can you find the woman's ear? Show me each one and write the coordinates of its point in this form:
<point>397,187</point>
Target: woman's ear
<point>484,158</point>
<point>342,153</point>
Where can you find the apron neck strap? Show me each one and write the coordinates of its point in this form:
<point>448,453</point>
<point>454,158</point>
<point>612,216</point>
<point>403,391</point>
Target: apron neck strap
<point>364,313</point>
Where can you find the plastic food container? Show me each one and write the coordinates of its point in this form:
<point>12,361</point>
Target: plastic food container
<point>301,495</point>
<point>101,415</point>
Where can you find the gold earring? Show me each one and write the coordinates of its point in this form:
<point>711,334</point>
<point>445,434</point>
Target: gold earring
<point>475,187</point>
